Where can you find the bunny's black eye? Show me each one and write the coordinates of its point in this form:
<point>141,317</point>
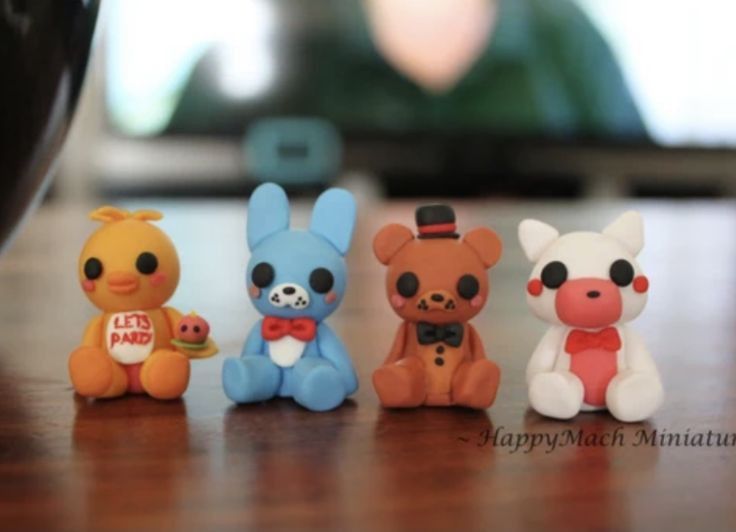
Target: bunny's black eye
<point>622,272</point>
<point>92,268</point>
<point>146,263</point>
<point>321,280</point>
<point>468,286</point>
<point>554,274</point>
<point>407,284</point>
<point>262,274</point>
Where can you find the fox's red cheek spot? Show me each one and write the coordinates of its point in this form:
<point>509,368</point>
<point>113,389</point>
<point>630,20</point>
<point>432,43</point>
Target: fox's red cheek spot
<point>534,287</point>
<point>88,285</point>
<point>641,284</point>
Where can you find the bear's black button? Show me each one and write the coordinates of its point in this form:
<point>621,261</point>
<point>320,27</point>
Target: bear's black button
<point>440,349</point>
<point>439,361</point>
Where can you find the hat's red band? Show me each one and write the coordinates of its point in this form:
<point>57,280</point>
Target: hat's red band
<point>437,228</point>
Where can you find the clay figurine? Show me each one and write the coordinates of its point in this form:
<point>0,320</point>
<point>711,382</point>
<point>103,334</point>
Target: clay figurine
<point>588,286</point>
<point>295,279</point>
<point>436,282</point>
<point>129,269</point>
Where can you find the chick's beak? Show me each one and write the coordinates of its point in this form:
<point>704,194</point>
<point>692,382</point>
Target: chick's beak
<point>122,282</point>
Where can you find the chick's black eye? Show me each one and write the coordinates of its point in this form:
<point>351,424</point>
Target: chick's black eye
<point>321,280</point>
<point>407,284</point>
<point>468,287</point>
<point>92,268</point>
<point>262,274</point>
<point>146,263</point>
<point>622,272</point>
<point>554,274</point>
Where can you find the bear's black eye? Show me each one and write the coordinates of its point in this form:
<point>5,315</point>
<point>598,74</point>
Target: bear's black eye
<point>554,274</point>
<point>321,280</point>
<point>622,272</point>
<point>407,284</point>
<point>468,286</point>
<point>262,274</point>
<point>146,263</point>
<point>92,268</point>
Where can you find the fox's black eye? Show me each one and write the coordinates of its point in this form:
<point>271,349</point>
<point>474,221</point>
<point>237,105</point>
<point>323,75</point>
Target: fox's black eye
<point>321,280</point>
<point>262,274</point>
<point>554,274</point>
<point>468,286</point>
<point>92,268</point>
<point>407,284</point>
<point>622,272</point>
<point>146,263</point>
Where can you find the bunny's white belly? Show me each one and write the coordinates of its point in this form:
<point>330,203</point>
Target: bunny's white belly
<point>286,351</point>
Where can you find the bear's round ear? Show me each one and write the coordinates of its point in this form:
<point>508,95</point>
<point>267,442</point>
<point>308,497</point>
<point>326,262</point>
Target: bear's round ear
<point>486,244</point>
<point>389,240</point>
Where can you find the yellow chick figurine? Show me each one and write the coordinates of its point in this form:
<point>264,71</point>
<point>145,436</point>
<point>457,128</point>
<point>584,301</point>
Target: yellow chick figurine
<point>129,269</point>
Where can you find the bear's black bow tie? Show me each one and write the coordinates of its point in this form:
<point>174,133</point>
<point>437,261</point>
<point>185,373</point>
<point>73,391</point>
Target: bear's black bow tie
<point>451,334</point>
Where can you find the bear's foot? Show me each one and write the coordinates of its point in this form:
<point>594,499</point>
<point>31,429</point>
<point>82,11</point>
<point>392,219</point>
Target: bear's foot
<point>401,385</point>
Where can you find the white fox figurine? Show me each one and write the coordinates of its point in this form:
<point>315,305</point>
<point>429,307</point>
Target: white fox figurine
<point>588,286</point>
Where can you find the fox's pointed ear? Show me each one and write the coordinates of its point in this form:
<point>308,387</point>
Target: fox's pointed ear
<point>535,237</point>
<point>333,218</point>
<point>629,230</point>
<point>389,240</point>
<point>268,213</point>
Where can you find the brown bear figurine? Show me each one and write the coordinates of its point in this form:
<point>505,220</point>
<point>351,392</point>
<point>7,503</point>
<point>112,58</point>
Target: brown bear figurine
<point>436,282</point>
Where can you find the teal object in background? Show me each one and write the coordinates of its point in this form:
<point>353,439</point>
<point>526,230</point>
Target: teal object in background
<point>293,151</point>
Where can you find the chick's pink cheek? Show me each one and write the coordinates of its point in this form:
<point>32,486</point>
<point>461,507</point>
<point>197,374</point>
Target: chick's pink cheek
<point>157,279</point>
<point>330,298</point>
<point>88,285</point>
<point>397,301</point>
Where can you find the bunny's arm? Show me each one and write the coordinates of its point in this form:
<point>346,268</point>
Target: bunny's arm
<point>399,345</point>
<point>173,316</point>
<point>254,344</point>
<point>544,356</point>
<point>331,348</point>
<point>93,333</point>
<point>477,351</point>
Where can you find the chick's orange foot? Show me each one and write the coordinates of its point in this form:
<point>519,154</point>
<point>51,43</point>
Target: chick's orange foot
<point>95,374</point>
<point>165,374</point>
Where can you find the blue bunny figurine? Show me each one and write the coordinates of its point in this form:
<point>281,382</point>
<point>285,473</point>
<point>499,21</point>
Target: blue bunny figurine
<point>295,278</point>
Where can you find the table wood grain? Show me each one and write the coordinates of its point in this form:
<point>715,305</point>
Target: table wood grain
<point>202,463</point>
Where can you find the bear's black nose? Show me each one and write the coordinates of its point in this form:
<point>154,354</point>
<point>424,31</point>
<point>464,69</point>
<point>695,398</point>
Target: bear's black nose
<point>288,290</point>
<point>439,298</point>
<point>593,294</point>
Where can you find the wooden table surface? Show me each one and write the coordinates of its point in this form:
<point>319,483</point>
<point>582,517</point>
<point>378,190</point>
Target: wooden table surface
<point>203,464</point>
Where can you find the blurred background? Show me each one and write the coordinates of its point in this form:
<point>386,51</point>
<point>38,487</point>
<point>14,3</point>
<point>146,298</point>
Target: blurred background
<point>511,98</point>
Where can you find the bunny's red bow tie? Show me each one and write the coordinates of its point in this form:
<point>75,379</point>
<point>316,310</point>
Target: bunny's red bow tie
<point>274,328</point>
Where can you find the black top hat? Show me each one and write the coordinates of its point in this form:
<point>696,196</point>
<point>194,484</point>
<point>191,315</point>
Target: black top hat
<point>436,221</point>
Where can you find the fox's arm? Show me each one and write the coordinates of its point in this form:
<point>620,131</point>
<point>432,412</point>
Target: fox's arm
<point>544,356</point>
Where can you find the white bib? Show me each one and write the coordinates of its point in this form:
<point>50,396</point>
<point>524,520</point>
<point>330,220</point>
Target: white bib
<point>129,336</point>
<point>286,351</point>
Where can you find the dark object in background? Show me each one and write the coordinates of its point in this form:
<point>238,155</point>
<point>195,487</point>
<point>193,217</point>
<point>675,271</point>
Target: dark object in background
<point>44,46</point>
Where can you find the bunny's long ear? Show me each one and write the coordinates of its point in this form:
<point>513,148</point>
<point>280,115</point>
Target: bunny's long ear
<point>268,213</point>
<point>333,218</point>
<point>535,237</point>
<point>629,230</point>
